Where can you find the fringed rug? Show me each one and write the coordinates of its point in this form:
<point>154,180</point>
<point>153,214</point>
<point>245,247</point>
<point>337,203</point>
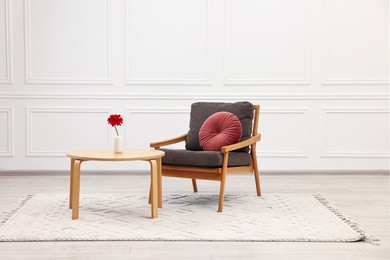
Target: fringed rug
<point>188,217</point>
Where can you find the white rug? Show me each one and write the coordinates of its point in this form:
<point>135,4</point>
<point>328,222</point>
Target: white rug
<point>272,217</point>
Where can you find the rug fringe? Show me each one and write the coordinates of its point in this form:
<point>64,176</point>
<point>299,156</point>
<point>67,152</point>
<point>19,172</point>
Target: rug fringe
<point>355,226</point>
<point>16,206</point>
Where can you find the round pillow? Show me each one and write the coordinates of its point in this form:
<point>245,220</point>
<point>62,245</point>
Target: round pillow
<point>219,129</point>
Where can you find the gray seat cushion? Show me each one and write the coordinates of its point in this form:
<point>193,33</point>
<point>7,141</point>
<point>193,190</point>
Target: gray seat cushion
<point>200,111</point>
<point>203,158</point>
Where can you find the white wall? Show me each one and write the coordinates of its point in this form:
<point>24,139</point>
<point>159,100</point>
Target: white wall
<point>318,68</point>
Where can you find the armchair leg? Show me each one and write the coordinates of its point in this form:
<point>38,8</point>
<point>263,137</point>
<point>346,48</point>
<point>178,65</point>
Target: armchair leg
<point>223,180</point>
<point>256,173</point>
<point>221,193</point>
<point>194,185</point>
<point>255,169</point>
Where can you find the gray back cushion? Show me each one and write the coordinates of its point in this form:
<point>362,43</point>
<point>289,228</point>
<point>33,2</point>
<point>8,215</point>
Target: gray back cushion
<point>200,111</point>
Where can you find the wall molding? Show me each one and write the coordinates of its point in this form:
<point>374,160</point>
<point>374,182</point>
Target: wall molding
<point>10,152</point>
<point>350,154</point>
<point>194,96</point>
<point>354,82</point>
<point>8,45</point>
<point>207,81</point>
<point>29,79</point>
<point>158,110</point>
<point>305,146</point>
<point>329,81</point>
<point>305,81</point>
<point>30,152</point>
<point>151,111</point>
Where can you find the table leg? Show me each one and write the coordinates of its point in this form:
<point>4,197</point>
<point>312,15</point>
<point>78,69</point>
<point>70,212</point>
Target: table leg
<point>154,190</point>
<point>159,176</point>
<point>159,181</point>
<point>71,182</point>
<point>150,194</point>
<point>76,189</point>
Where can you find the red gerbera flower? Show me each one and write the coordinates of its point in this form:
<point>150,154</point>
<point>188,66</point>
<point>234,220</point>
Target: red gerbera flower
<point>115,120</point>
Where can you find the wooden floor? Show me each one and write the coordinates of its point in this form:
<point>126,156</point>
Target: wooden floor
<point>362,197</point>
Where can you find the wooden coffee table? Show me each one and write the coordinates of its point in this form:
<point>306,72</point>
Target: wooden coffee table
<point>80,156</point>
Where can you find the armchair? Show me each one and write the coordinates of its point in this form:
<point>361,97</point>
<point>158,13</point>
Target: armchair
<point>194,163</point>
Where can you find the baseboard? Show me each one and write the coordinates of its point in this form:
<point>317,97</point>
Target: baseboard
<point>269,172</point>
<point>327,172</point>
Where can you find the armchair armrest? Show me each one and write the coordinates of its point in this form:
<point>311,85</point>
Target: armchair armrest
<point>169,141</point>
<point>242,144</point>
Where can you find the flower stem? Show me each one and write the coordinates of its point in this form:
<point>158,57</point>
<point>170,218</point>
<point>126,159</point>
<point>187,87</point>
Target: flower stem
<point>116,131</point>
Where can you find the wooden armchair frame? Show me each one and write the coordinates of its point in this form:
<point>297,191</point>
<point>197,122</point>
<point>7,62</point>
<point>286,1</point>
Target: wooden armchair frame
<point>216,174</point>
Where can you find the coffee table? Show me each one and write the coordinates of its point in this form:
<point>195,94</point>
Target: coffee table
<point>79,156</point>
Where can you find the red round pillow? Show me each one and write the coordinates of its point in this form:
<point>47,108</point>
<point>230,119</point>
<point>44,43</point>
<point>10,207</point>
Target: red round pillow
<point>219,129</point>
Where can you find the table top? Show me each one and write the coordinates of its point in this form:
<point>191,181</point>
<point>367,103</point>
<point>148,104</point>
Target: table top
<point>109,155</point>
